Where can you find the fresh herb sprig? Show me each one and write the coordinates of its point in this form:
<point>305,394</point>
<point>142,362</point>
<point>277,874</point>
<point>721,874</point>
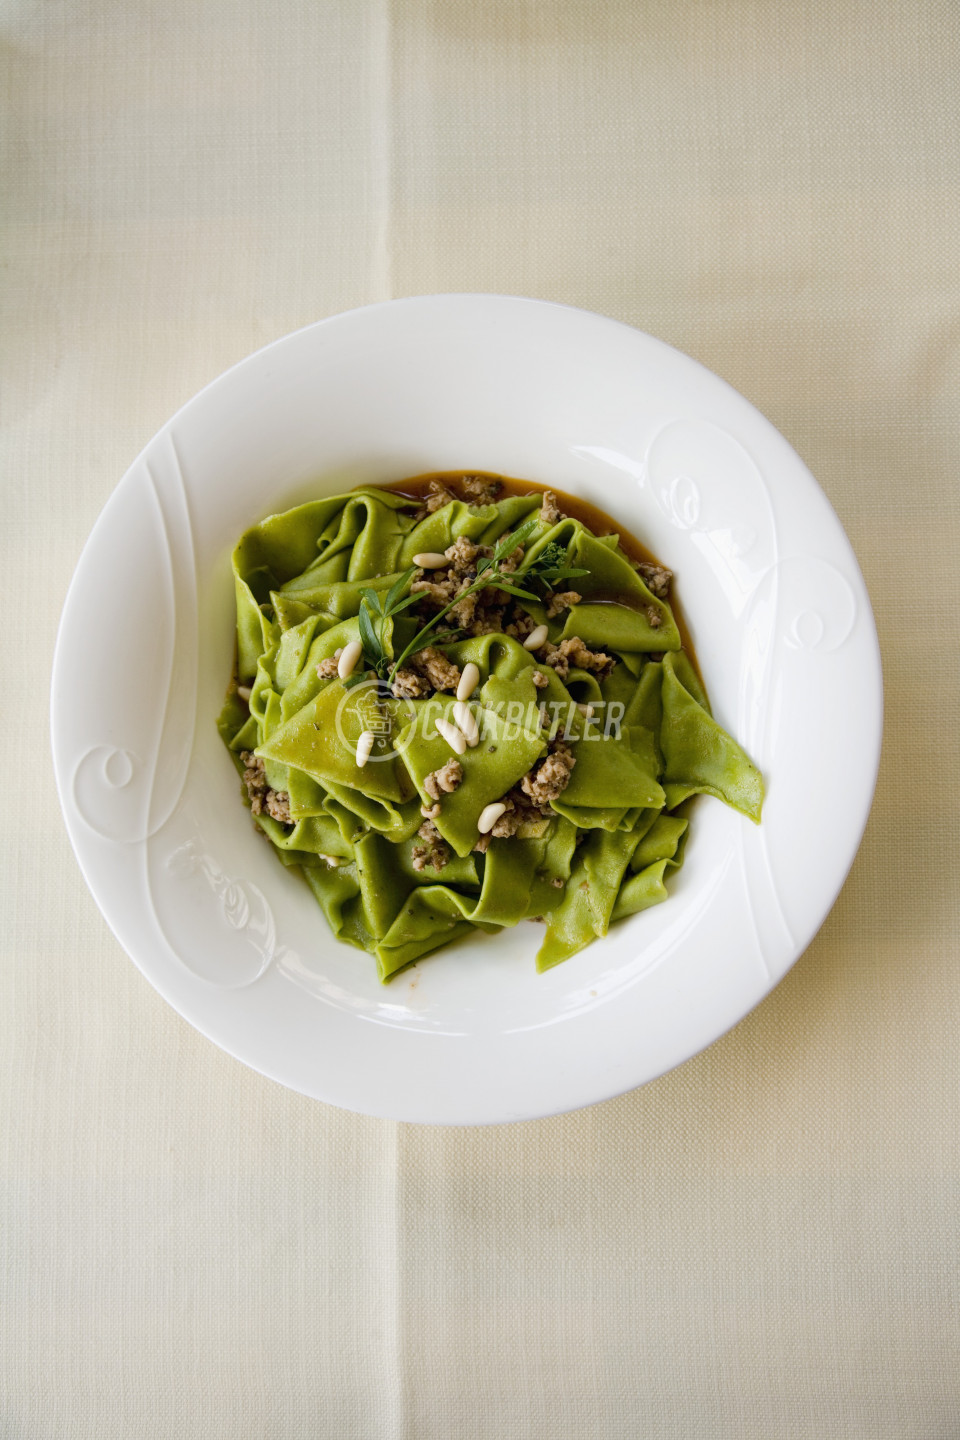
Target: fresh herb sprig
<point>550,567</point>
<point>547,570</point>
<point>375,609</point>
<point>490,572</point>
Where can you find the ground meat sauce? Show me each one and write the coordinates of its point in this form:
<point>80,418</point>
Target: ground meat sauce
<point>434,851</point>
<point>276,803</point>
<point>574,652</point>
<point>444,781</point>
<point>548,780</point>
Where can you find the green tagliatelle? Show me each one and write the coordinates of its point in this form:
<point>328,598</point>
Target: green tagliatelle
<point>599,851</point>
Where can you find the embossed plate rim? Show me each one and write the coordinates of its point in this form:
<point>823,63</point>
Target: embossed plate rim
<point>564,392</point>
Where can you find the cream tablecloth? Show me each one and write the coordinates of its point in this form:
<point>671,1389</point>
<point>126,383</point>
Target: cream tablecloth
<point>761,1244</point>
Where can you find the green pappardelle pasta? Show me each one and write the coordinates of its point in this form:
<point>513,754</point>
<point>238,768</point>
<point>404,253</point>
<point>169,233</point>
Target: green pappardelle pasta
<point>461,709</point>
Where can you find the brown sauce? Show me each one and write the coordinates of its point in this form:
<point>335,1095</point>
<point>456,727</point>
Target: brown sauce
<point>595,519</point>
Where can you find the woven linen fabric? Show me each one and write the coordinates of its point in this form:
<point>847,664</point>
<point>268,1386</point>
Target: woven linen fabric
<point>762,1243</point>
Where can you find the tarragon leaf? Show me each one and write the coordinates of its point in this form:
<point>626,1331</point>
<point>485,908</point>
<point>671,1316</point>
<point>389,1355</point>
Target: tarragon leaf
<point>397,589</point>
<point>405,604</point>
<point>515,590</point>
<point>371,645</point>
<point>508,543</point>
<point>561,573</point>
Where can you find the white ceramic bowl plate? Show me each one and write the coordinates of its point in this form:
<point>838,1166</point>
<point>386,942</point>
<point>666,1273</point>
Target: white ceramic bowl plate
<point>780,619</point>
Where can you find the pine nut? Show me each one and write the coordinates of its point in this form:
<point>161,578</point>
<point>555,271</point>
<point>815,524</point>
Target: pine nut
<point>431,560</point>
<point>490,816</point>
<point>349,656</point>
<point>586,710</point>
<point>465,719</point>
<point>536,638</point>
<point>469,681</point>
<point>364,747</point>
<point>244,692</point>
<point>454,738</point>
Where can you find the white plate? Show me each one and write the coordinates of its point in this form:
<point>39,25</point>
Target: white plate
<point>779,616</point>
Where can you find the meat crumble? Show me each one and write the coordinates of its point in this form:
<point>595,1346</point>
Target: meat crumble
<point>510,562</point>
<point>529,802</point>
<point>574,653</point>
<point>328,668</point>
<point>548,780</point>
<point>462,554</point>
<point>276,803</point>
<point>445,780</point>
<point>480,489</point>
<point>550,512</point>
<point>434,666</point>
<point>437,496</point>
<point>656,578</point>
<point>475,490</point>
<point>278,806</point>
<point>408,685</point>
<point>519,811</point>
<point>438,591</point>
<point>486,623</point>
<point>562,600</point>
<point>464,612</point>
<point>521,627</point>
<point>434,851</point>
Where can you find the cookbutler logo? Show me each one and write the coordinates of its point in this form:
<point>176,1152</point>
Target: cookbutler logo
<point>366,708</point>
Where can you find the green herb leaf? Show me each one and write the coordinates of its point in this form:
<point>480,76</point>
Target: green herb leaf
<point>515,590</point>
<point>508,543</point>
<point>489,574</point>
<point>397,590</point>
<point>552,576</point>
<point>372,648</point>
<point>372,598</point>
<point>405,604</point>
